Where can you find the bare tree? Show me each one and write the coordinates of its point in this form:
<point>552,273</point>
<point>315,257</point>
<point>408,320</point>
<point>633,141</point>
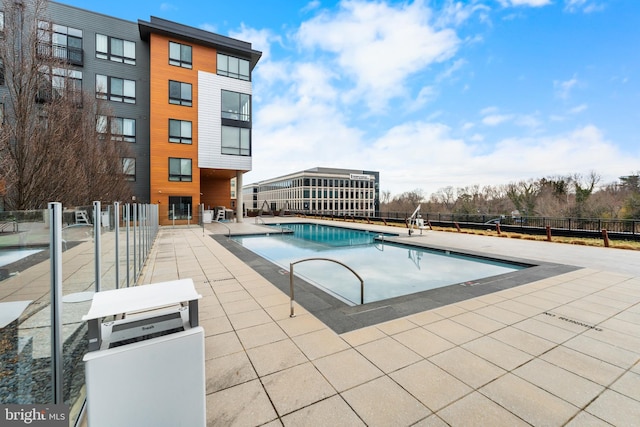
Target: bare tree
<point>444,197</point>
<point>496,200</point>
<point>554,198</point>
<point>385,195</point>
<point>524,195</point>
<point>51,148</point>
<point>583,187</point>
<point>631,182</point>
<point>630,186</point>
<point>406,202</point>
<point>468,199</point>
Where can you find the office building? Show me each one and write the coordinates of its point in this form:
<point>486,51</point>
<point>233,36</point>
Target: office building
<point>326,191</point>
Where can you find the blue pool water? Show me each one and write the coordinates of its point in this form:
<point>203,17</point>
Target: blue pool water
<point>388,269</point>
<point>10,256</point>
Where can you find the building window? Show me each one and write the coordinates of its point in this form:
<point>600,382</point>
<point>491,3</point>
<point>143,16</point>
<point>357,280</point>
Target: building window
<point>121,129</point>
<point>58,83</point>
<point>236,141</point>
<point>115,89</point>
<point>1,73</point>
<point>179,131</point>
<point>180,55</point>
<point>1,23</point>
<point>180,207</point>
<point>180,93</point>
<point>60,42</point>
<point>129,168</point>
<point>179,169</point>
<point>233,67</point>
<point>236,106</point>
<point>115,49</point>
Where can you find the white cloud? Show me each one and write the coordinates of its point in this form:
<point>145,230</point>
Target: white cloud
<point>563,88</point>
<point>446,74</point>
<point>208,27</point>
<point>167,7</point>
<point>422,154</point>
<point>586,6</point>
<point>260,40</point>
<point>496,119</point>
<point>456,12</point>
<point>426,95</point>
<point>580,150</point>
<point>312,5</point>
<point>528,120</point>
<point>378,46</point>
<point>530,3</point>
<point>437,160</point>
<point>489,110</point>
<point>358,58</point>
<point>578,109</point>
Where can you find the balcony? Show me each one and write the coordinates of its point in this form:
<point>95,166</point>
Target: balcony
<point>70,55</point>
<point>47,95</point>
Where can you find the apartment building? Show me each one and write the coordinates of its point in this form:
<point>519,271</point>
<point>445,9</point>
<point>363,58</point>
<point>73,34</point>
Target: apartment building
<point>327,191</point>
<point>180,96</point>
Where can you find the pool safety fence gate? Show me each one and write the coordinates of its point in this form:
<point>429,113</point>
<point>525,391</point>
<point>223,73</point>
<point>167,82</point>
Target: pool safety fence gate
<point>98,248</point>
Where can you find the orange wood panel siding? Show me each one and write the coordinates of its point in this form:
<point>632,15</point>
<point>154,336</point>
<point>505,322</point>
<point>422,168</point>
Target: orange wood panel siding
<point>204,58</point>
<point>216,192</point>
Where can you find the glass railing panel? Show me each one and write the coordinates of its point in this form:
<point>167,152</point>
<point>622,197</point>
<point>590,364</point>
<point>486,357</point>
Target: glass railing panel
<point>25,316</point>
<point>78,288</point>
<point>25,295</point>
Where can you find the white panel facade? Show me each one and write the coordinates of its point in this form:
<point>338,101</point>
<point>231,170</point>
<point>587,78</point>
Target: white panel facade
<point>210,155</point>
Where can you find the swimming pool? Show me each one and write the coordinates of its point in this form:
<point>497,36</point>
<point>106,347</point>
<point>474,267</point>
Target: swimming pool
<point>9,256</point>
<point>388,269</point>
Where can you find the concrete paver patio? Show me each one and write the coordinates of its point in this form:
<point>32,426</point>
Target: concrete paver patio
<point>558,351</point>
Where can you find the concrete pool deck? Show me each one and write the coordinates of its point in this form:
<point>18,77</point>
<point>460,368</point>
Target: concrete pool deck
<point>564,350</point>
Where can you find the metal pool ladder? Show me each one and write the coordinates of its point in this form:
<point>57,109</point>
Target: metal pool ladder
<point>320,259</point>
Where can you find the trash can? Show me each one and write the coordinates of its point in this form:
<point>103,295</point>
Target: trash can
<point>207,216</point>
<point>145,364</point>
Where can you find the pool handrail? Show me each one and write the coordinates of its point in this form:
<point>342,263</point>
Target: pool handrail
<point>223,224</point>
<point>320,259</point>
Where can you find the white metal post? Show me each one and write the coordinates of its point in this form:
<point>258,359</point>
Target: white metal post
<point>96,243</point>
<point>127,215</point>
<point>55,253</point>
<point>135,241</point>
<point>116,219</point>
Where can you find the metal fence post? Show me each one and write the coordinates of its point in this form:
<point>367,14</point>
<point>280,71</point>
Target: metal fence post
<point>116,227</point>
<point>96,241</point>
<point>135,241</point>
<point>146,232</point>
<point>127,216</point>
<point>140,241</point>
<point>55,251</point>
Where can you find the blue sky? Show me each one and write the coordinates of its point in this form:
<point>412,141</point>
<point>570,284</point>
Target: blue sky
<point>433,93</point>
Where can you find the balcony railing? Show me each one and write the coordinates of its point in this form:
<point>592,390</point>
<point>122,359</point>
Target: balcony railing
<point>70,55</point>
<point>46,95</point>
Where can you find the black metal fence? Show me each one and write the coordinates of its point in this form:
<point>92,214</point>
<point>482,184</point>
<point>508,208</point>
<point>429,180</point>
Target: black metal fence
<point>570,227</point>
